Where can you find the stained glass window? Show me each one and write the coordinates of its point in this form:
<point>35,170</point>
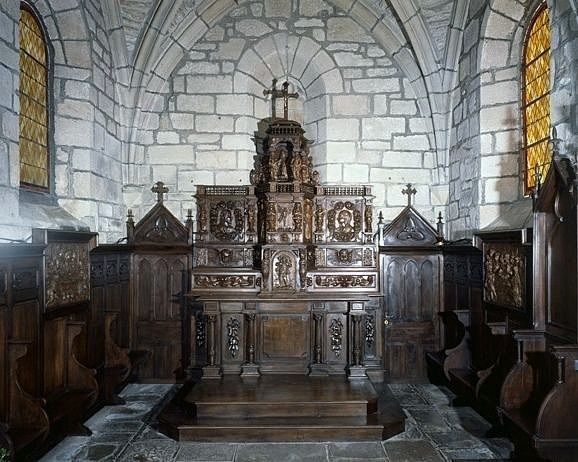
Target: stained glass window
<point>536,98</point>
<point>34,160</point>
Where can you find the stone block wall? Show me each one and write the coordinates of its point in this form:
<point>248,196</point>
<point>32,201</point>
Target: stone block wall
<point>357,106</point>
<point>485,153</point>
<point>87,178</point>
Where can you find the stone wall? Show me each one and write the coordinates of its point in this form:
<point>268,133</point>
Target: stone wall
<point>485,163</point>
<point>87,186</point>
<point>358,107</point>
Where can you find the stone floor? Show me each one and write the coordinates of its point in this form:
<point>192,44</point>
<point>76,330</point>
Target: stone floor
<point>434,432</point>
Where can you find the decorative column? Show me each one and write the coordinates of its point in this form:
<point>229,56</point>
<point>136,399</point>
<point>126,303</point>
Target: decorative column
<point>211,370</point>
<point>317,367</point>
<point>356,370</point>
<point>250,368</point>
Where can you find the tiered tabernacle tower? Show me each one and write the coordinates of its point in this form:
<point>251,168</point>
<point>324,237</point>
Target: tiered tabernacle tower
<point>285,267</point>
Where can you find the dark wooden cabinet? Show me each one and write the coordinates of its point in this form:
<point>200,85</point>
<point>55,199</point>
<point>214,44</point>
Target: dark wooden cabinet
<point>411,272</point>
<point>142,286</point>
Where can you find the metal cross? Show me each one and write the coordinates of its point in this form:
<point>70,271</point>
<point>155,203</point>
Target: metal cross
<point>284,93</point>
<point>159,189</point>
<point>409,191</point>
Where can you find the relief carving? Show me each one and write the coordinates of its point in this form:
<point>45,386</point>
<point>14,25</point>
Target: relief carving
<point>224,282</point>
<point>297,217</point>
<point>307,212</point>
<point>368,257</point>
<point>278,163</point>
<point>410,232</point>
<point>227,221</point>
<point>336,333</point>
<point>344,222</point>
<point>302,266</point>
<point>67,274</point>
<point>285,219</point>
<point>202,219</point>
<point>266,263</point>
<point>349,281</point>
<point>284,276</point>
<point>251,218</point>
<point>369,330</point>
<point>200,256</point>
<point>504,273</point>
<point>201,335</point>
<point>319,214</point>
<point>368,218</point>
<point>271,217</point>
<point>24,278</point>
<point>160,231</point>
<point>344,256</point>
<point>319,257</point>
<point>233,341</point>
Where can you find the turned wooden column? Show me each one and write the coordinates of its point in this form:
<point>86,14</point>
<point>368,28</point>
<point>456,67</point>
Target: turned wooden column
<point>250,369</point>
<point>317,318</point>
<point>211,370</point>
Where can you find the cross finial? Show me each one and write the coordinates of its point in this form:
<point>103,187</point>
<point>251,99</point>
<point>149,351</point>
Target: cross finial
<point>409,191</point>
<point>276,93</point>
<point>159,189</point>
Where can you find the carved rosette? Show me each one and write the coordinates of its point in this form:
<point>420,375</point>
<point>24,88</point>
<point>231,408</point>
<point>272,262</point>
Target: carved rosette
<point>67,274</point>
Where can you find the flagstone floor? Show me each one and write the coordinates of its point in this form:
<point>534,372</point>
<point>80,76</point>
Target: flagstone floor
<point>435,432</point>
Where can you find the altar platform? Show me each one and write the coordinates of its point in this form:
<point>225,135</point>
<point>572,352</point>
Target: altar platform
<point>283,408</point>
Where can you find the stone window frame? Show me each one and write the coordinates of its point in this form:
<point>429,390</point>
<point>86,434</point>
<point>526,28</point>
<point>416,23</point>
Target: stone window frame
<point>31,193</point>
<point>536,9</point>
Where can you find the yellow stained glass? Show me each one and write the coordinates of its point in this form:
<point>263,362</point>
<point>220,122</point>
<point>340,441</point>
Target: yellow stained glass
<point>33,119</point>
<point>536,99</point>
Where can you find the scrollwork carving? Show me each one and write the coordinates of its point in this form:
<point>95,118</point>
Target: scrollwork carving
<point>410,232</point>
<point>336,336</point>
<point>349,281</point>
<point>224,282</point>
<point>319,214</point>
<point>369,330</point>
<point>368,257</point>
<point>233,341</point>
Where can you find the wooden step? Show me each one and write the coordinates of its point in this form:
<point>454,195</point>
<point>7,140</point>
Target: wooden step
<point>282,408</point>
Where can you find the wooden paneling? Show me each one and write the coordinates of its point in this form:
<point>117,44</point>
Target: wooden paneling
<point>411,294</point>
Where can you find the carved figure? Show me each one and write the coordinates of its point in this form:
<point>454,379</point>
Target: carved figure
<point>278,164</point>
<point>251,219</point>
<point>202,219</point>
<point>296,167</point>
<point>368,218</point>
<point>297,217</point>
<point>319,213</point>
<point>271,217</point>
<point>283,267</point>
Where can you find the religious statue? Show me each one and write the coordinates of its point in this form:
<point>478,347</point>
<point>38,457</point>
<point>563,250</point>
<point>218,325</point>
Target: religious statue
<point>271,218</point>
<point>296,167</point>
<point>251,219</point>
<point>297,217</point>
<point>278,164</point>
<point>283,268</point>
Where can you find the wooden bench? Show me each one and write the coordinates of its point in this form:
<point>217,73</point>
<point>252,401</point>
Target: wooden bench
<point>465,379</point>
<point>455,351</point>
<point>539,399</point>
<point>28,423</point>
<point>71,388</point>
<point>121,365</point>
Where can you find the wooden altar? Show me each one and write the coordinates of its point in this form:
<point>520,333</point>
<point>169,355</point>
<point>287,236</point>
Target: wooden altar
<point>289,332</point>
<point>285,268</point>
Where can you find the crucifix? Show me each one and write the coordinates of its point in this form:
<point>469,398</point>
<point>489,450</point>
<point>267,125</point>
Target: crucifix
<point>284,93</point>
<point>159,189</point>
<point>409,191</point>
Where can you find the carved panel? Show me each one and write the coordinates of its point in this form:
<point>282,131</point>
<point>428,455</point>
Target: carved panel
<point>233,336</point>
<point>24,278</point>
<point>227,220</point>
<point>336,336</point>
<point>285,336</point>
<point>204,281</point>
<point>67,274</point>
<point>346,281</point>
<point>284,271</point>
<point>504,274</point>
<point>344,222</point>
